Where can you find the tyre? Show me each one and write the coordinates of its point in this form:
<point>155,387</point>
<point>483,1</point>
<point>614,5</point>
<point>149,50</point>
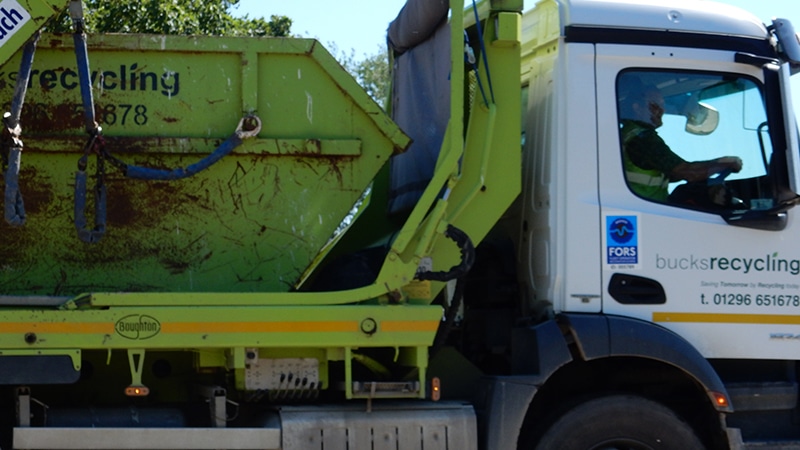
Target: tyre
<point>619,422</point>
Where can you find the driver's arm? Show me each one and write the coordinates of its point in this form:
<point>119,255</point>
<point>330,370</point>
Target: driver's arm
<point>701,170</point>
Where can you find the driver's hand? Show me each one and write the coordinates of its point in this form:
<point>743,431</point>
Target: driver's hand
<point>734,163</point>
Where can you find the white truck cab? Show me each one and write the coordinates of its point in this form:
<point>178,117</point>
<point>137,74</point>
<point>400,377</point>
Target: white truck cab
<point>659,185</point>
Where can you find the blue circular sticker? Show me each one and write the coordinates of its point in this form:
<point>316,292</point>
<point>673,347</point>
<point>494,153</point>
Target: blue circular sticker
<point>621,230</point>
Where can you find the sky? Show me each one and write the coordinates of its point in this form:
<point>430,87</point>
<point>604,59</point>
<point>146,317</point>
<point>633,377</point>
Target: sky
<point>360,25</point>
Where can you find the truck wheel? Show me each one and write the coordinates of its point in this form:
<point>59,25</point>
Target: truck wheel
<point>619,422</point>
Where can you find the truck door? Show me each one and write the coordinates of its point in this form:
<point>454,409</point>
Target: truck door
<point>690,179</point>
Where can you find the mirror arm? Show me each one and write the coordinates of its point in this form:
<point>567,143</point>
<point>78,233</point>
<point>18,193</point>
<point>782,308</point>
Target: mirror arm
<point>773,219</point>
<point>753,60</point>
<point>759,220</point>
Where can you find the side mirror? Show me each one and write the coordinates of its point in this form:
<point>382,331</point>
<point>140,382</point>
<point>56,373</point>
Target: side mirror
<point>702,119</point>
<point>788,40</point>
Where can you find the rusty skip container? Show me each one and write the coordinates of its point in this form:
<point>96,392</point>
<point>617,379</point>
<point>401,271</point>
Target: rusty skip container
<point>252,222</point>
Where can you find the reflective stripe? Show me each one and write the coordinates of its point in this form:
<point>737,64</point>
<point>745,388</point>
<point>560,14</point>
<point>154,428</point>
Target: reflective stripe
<point>633,131</point>
<point>646,179</point>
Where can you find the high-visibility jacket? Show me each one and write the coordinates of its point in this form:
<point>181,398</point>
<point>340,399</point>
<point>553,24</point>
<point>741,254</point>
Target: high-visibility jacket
<point>648,183</point>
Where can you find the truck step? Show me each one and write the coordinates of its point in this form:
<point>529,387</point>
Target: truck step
<point>389,426</point>
<point>386,389</point>
<point>773,396</point>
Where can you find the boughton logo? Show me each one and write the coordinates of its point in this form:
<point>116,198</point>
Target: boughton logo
<point>137,327</point>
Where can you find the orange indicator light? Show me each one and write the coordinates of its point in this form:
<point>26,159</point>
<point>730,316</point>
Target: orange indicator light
<point>137,391</point>
<point>436,389</point>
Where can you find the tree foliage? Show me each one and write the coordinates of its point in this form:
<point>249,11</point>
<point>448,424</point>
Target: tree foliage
<point>177,17</point>
<point>371,72</point>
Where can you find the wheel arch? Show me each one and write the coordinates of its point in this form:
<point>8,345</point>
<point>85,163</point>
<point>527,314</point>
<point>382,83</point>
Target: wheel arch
<point>602,336</point>
<point>635,356</point>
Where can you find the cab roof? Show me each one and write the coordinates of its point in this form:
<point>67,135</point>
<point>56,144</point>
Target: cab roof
<point>693,16</point>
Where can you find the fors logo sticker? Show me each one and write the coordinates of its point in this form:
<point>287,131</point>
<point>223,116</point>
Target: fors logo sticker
<point>622,230</point>
<point>622,242</point>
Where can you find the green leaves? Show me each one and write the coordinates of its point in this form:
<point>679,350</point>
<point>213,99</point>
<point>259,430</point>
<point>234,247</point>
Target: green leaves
<point>175,17</point>
<point>371,72</point>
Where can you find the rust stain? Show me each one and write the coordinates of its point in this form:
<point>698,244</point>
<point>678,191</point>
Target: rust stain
<point>48,120</point>
<point>315,145</point>
<point>333,166</point>
<point>36,189</point>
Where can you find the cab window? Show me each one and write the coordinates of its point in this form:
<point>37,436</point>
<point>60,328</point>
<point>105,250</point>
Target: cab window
<point>695,140</point>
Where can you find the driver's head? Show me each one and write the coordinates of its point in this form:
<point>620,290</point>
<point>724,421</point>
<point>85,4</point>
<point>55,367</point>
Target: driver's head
<point>640,101</point>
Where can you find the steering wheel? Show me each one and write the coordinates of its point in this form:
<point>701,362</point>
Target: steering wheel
<point>719,178</point>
